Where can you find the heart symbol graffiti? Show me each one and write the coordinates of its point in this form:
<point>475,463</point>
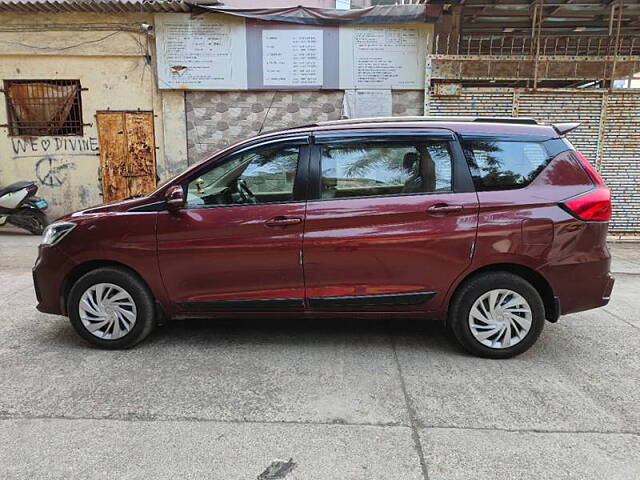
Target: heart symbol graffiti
<point>45,144</point>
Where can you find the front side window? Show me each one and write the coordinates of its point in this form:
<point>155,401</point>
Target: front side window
<point>371,169</point>
<point>262,175</point>
<point>501,165</point>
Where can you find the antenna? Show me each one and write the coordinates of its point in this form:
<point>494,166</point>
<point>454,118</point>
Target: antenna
<point>267,113</point>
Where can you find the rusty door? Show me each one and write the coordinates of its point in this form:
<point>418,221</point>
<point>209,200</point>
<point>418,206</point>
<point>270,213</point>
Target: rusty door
<point>127,153</point>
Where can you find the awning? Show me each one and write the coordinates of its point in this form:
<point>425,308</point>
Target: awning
<point>329,16</point>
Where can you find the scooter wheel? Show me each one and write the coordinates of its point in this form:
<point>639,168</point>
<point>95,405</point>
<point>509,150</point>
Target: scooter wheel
<point>32,221</point>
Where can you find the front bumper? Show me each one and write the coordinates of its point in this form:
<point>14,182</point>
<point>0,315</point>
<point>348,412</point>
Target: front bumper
<point>49,272</point>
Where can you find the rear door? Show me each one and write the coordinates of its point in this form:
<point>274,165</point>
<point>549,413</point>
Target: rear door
<point>391,221</point>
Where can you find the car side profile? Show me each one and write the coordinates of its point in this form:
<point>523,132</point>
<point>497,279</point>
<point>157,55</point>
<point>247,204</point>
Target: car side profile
<point>493,225</point>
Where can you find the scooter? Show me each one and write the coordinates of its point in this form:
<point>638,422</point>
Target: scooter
<point>20,207</point>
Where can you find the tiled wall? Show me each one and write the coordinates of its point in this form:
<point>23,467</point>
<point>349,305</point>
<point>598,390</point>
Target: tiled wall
<point>216,119</point>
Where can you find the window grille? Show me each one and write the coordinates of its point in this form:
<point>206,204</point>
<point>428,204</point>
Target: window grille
<point>43,107</point>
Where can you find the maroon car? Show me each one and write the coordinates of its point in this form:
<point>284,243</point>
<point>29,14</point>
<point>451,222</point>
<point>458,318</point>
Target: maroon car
<point>492,225</point>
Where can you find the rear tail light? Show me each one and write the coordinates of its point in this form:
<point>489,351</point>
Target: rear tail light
<point>593,173</point>
<point>594,205</point>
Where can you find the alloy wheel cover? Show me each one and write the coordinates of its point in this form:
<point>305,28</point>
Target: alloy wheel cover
<point>107,311</point>
<point>500,318</point>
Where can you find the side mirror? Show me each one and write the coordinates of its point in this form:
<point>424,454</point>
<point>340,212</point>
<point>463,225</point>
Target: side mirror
<point>174,197</point>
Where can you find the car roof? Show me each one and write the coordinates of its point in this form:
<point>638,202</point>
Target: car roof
<point>462,125</point>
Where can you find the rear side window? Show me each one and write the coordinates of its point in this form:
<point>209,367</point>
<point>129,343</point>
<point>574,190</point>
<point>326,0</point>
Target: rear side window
<point>374,169</point>
<point>501,165</point>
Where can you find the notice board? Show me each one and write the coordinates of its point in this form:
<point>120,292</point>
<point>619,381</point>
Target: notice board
<point>221,52</point>
<point>384,57</point>
<point>205,52</point>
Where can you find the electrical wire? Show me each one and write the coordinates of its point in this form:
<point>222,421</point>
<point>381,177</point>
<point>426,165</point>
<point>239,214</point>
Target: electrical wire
<point>60,49</point>
<point>71,27</point>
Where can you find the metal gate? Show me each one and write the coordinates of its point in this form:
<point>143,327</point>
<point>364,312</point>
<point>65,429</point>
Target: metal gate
<point>127,153</point>
<point>608,134</point>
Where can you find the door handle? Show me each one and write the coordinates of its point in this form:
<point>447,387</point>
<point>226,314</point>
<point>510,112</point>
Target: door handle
<point>283,221</point>
<point>444,208</point>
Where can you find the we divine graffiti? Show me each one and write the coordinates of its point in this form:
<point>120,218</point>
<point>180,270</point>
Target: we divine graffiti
<point>29,146</point>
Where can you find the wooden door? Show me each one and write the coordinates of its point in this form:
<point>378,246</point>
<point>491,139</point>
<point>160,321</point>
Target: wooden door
<point>127,153</point>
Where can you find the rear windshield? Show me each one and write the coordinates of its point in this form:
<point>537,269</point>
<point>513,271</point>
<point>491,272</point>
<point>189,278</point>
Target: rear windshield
<point>504,164</point>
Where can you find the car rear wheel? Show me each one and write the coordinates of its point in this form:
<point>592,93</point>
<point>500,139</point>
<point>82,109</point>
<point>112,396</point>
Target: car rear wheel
<point>497,315</point>
<point>111,308</point>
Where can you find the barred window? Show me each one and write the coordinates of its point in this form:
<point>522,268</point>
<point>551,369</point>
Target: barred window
<point>43,107</point>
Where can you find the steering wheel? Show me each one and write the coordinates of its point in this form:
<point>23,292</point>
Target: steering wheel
<point>245,192</point>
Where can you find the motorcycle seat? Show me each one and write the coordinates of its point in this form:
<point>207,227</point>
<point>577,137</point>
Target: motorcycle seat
<point>14,187</point>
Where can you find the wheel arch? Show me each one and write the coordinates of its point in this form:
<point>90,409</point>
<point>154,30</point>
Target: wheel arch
<point>83,268</point>
<point>536,279</point>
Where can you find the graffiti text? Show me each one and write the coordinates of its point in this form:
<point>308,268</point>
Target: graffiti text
<point>28,146</point>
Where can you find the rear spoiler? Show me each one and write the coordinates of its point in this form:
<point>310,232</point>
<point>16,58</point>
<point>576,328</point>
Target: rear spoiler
<point>564,128</point>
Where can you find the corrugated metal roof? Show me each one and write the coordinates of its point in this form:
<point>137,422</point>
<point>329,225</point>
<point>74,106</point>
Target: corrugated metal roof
<point>94,6</point>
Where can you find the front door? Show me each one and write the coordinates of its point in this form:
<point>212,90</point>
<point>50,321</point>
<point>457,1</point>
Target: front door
<point>394,222</point>
<point>237,243</point>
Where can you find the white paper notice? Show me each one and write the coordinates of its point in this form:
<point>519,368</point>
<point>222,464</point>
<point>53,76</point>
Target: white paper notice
<point>368,103</point>
<point>204,50</point>
<point>292,58</point>
<point>385,57</point>
<point>200,53</point>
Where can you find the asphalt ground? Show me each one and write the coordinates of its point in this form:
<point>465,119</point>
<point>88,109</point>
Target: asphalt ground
<point>339,399</point>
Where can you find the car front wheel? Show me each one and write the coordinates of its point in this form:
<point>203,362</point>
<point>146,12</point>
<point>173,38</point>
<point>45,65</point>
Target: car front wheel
<point>111,308</point>
<point>497,315</point>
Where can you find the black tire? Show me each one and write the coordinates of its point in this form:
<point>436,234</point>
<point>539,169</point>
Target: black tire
<point>33,221</point>
<point>473,289</point>
<point>142,297</point>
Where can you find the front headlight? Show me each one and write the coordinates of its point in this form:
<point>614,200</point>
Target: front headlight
<point>56,232</point>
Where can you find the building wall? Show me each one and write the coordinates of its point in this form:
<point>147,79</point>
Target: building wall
<point>111,65</point>
<point>190,125</point>
<point>619,157</point>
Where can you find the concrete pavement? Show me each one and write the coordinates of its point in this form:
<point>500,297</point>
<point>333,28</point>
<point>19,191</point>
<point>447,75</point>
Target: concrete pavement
<point>342,399</point>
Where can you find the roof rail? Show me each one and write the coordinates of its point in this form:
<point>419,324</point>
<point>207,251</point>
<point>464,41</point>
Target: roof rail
<point>518,120</point>
<point>464,119</point>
